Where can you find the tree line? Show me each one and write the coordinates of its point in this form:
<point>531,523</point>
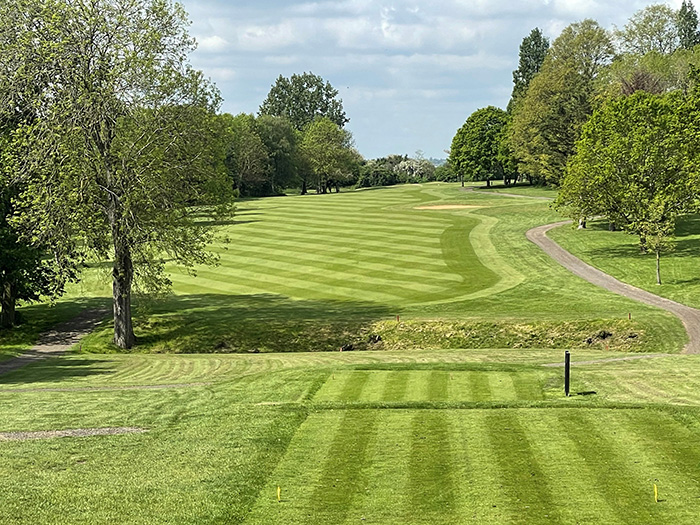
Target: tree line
<point>608,116</point>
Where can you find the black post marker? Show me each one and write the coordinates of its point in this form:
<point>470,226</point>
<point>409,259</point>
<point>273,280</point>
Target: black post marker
<point>567,372</point>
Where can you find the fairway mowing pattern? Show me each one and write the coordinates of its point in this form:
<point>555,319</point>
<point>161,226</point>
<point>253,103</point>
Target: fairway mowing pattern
<point>430,385</point>
<point>485,466</point>
<point>369,246</point>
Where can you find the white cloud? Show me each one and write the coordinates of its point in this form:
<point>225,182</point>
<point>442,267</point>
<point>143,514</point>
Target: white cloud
<point>211,44</point>
<point>398,64</point>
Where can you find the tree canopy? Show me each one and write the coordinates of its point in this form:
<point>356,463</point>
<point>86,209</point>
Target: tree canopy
<point>328,151</point>
<point>654,28</point>
<point>475,147</point>
<point>688,34</point>
<point>301,99</point>
<point>559,100</point>
<point>533,51</point>
<point>126,141</point>
<point>636,164</point>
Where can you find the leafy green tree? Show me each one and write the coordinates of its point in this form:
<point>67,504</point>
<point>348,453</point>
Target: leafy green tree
<point>633,165</point>
<point>301,99</point>
<point>654,28</point>
<point>282,143</point>
<point>688,34</point>
<point>533,51</point>
<point>474,151</point>
<point>328,150</point>
<point>126,141</point>
<point>247,158</point>
<point>26,273</point>
<point>559,100</point>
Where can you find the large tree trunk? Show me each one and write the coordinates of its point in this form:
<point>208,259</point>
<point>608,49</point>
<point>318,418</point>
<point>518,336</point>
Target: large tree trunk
<point>7,306</point>
<point>658,267</point>
<point>122,277</point>
<point>303,187</point>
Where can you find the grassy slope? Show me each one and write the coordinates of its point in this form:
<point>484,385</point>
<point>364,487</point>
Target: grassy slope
<point>317,272</point>
<point>409,437</point>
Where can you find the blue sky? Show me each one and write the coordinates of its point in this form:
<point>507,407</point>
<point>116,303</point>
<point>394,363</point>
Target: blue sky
<point>409,72</point>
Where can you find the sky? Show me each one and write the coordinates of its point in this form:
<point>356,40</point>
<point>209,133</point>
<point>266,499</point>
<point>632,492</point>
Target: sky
<point>409,73</point>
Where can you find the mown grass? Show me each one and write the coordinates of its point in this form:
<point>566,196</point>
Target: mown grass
<point>391,437</point>
<point>316,272</point>
<point>618,254</point>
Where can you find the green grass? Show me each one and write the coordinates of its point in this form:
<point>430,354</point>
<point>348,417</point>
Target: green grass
<point>451,418</point>
<point>316,272</point>
<point>391,437</point>
<point>618,254</point>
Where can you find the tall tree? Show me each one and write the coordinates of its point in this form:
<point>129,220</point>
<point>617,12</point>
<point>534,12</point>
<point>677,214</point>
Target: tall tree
<point>533,51</point>
<point>688,33</point>
<point>303,98</point>
<point>329,152</point>
<point>654,28</point>
<point>247,158</point>
<point>125,143</point>
<point>474,150</point>
<point>546,125</point>
<point>282,143</point>
<point>636,164</point>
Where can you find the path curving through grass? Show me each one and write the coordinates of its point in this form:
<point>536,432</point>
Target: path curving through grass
<point>689,316</point>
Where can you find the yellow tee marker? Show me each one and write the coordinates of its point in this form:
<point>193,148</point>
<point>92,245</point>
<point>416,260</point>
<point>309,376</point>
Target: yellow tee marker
<point>279,494</point>
<point>656,493</point>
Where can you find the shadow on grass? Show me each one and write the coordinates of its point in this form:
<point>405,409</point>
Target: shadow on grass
<point>54,370</point>
<point>247,323</point>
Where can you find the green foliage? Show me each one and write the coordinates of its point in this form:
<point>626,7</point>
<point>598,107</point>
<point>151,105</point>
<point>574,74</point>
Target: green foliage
<point>247,158</point>
<point>301,99</point>
<point>559,100</point>
<point>282,143</point>
<point>125,142</point>
<point>653,28</point>
<point>397,169</point>
<point>328,150</point>
<point>688,34</point>
<point>533,51</point>
<point>634,165</point>
<point>474,150</point>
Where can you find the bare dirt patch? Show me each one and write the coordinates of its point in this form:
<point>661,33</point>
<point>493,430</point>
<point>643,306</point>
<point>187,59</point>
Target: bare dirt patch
<point>448,207</point>
<point>74,432</point>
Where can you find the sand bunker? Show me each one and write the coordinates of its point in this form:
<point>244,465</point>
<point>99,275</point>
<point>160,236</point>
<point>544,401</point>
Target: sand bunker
<point>448,207</point>
<point>76,432</point>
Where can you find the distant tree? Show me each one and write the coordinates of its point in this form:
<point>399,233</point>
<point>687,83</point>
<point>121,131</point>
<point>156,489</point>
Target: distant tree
<point>474,151</point>
<point>505,154</point>
<point>634,165</point>
<point>247,158</point>
<point>559,99</point>
<point>688,34</point>
<point>126,141</point>
<point>415,170</point>
<point>329,153</point>
<point>301,99</point>
<point>445,173</point>
<point>533,51</point>
<point>653,28</point>
<point>282,143</point>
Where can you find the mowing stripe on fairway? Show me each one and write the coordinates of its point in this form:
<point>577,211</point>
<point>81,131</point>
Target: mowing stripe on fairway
<point>430,481</point>
<point>521,475</point>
